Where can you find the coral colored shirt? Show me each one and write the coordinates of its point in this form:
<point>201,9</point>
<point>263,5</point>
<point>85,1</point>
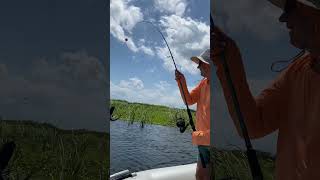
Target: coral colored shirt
<point>200,95</point>
<point>291,104</point>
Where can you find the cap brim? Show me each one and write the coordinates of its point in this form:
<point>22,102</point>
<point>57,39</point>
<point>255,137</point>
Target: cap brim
<point>282,3</point>
<point>278,3</point>
<point>196,59</point>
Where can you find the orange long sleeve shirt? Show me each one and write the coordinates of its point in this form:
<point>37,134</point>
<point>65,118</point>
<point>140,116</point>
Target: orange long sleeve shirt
<point>200,95</point>
<point>291,104</point>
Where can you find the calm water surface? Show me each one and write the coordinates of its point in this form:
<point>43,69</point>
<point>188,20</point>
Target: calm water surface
<point>153,146</point>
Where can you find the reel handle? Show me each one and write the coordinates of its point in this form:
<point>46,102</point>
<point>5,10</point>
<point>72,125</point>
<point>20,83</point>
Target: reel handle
<point>182,125</point>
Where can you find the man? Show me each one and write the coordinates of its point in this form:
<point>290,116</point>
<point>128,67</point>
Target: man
<point>291,104</point>
<point>200,95</point>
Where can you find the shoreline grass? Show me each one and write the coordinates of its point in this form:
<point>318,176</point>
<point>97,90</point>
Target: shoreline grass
<point>234,163</point>
<point>148,113</point>
<point>46,152</point>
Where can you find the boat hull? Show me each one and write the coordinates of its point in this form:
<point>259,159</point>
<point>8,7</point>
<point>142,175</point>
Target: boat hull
<point>182,172</point>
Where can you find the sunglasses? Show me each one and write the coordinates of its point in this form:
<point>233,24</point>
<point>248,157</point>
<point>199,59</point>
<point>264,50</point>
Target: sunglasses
<point>199,64</point>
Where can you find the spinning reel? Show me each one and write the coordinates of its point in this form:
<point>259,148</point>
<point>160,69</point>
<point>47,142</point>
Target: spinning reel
<point>111,112</point>
<point>181,123</point>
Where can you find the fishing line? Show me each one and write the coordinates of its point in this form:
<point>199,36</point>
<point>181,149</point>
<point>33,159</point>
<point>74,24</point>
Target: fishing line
<point>291,60</point>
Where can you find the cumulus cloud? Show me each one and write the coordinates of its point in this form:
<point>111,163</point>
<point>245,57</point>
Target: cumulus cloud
<point>134,83</point>
<point>75,66</point>
<point>84,66</point>
<point>161,93</point>
<point>123,15</point>
<point>257,17</point>
<point>68,91</point>
<point>177,7</point>
<point>187,37</point>
<point>123,18</point>
<point>162,85</point>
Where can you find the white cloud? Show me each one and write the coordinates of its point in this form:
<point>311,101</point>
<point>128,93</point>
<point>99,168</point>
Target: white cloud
<point>186,37</point>
<point>163,85</point>
<point>123,18</point>
<point>161,93</point>
<point>258,17</point>
<point>124,15</point>
<point>177,7</point>
<point>134,83</point>
<point>70,89</point>
<point>146,50</point>
<point>83,66</point>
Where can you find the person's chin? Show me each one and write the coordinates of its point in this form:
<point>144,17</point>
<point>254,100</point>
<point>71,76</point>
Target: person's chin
<point>296,43</point>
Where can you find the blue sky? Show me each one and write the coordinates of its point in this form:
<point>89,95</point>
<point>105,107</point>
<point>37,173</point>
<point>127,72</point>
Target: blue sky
<point>140,69</point>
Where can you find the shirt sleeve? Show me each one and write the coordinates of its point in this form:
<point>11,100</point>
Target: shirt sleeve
<point>193,96</point>
<point>262,114</point>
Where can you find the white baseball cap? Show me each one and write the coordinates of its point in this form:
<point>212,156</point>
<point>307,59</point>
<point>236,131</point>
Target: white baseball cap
<point>312,3</point>
<point>204,57</point>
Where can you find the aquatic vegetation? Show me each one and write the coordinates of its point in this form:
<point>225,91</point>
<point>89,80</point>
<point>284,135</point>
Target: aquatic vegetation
<point>46,152</point>
<point>147,113</point>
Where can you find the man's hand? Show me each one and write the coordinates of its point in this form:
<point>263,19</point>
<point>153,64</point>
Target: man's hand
<point>222,44</point>
<point>179,76</point>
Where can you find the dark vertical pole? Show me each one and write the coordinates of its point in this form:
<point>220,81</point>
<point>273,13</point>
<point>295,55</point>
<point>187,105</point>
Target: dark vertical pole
<point>251,153</point>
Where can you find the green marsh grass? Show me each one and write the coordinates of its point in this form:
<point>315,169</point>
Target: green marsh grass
<point>46,152</point>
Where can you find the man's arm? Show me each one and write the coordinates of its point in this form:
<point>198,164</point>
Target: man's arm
<point>193,96</point>
<point>262,114</point>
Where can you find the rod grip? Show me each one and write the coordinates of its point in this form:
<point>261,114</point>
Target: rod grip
<point>254,165</point>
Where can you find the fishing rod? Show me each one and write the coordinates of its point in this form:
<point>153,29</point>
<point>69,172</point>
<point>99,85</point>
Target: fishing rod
<point>180,124</point>
<point>251,153</point>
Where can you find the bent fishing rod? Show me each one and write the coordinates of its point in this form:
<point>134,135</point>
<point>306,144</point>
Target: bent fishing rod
<point>180,124</point>
<point>251,153</point>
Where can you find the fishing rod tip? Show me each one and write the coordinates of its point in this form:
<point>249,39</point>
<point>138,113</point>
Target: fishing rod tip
<point>126,39</point>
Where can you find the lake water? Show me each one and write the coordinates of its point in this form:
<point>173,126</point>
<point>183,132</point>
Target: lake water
<point>153,146</point>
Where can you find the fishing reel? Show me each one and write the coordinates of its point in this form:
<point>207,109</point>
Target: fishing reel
<point>181,124</point>
<point>111,112</point>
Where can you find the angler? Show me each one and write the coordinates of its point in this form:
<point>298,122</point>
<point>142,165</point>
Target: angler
<point>200,95</point>
<point>291,103</point>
